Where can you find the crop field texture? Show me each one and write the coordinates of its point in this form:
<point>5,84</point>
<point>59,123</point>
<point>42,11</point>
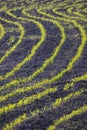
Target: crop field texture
<point>43,64</point>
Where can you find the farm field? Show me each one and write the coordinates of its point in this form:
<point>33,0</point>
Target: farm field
<point>43,65</point>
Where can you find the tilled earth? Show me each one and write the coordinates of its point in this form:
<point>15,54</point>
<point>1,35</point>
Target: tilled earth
<point>43,65</point>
